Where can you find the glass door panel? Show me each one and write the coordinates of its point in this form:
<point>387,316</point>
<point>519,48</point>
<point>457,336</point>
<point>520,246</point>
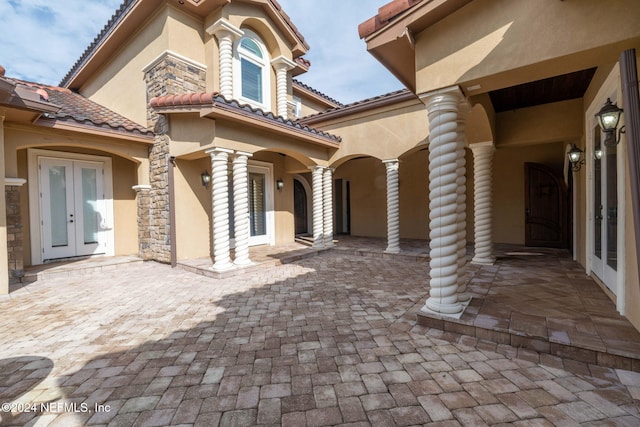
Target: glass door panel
<point>257,205</point>
<point>612,208</point>
<point>89,207</point>
<point>56,205</point>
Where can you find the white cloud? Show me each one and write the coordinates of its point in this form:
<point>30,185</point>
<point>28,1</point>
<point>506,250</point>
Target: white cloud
<point>42,39</point>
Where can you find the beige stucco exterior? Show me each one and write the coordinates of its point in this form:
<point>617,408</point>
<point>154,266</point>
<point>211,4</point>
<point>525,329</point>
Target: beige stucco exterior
<point>484,46</point>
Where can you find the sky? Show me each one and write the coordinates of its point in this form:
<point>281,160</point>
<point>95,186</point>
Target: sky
<point>42,40</point>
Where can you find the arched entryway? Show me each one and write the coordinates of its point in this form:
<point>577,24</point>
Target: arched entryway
<point>301,206</point>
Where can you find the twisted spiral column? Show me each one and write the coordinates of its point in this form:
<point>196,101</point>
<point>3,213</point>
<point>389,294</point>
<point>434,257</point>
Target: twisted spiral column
<point>393,206</point>
<point>327,207</point>
<point>282,65</point>
<point>461,211</point>
<point>220,207</point>
<point>482,195</point>
<point>318,219</point>
<point>443,217</point>
<point>241,221</point>
<point>226,33</point>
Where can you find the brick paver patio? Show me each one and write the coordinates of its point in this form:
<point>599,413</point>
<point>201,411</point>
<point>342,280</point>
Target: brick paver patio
<point>329,340</point>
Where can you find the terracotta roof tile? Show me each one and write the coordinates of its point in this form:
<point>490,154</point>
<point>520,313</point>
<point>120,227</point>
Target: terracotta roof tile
<point>365,104</point>
<point>76,108</point>
<point>317,92</point>
<point>209,98</point>
<point>385,15</point>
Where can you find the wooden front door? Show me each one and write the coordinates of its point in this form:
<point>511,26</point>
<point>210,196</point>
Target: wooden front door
<point>545,207</point>
<point>300,208</point>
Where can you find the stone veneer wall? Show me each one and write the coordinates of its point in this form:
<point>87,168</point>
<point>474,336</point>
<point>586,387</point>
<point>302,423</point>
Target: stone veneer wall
<point>168,76</point>
<point>14,234</point>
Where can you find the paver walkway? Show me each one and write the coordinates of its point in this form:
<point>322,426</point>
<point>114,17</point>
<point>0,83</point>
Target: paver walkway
<point>322,341</point>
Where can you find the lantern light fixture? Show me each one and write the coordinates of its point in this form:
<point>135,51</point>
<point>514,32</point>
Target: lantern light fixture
<point>205,178</point>
<point>609,117</point>
<point>575,157</point>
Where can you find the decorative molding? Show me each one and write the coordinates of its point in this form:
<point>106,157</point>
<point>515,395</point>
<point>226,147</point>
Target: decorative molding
<point>14,182</point>
<point>141,187</point>
<point>223,25</point>
<point>169,53</point>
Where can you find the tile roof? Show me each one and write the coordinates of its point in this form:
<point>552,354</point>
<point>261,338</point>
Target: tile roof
<point>77,109</point>
<point>317,92</point>
<point>363,105</point>
<point>385,15</point>
<point>201,99</point>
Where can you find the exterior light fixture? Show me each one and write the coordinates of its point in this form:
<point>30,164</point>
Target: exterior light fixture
<point>575,157</point>
<point>279,184</point>
<point>205,178</point>
<point>608,117</point>
<point>597,153</point>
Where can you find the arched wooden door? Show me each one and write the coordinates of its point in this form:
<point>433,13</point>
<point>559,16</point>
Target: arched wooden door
<point>546,209</point>
<point>300,212</point>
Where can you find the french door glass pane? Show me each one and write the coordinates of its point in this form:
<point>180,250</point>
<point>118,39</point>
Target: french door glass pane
<point>257,204</point>
<point>90,214</point>
<point>597,199</point>
<point>612,207</point>
<point>58,191</point>
<point>251,80</point>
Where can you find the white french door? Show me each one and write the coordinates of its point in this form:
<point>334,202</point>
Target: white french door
<point>605,213</point>
<point>73,207</point>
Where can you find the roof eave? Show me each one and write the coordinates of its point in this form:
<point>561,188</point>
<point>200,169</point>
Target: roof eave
<point>94,130</point>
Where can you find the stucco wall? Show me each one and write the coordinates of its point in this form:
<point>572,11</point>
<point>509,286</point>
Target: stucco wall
<point>509,187</point>
<point>508,42</point>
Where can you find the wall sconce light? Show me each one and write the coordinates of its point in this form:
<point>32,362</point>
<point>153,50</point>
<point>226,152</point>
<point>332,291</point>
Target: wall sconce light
<point>205,178</point>
<point>597,153</point>
<point>575,157</point>
<point>279,184</point>
<point>609,116</point>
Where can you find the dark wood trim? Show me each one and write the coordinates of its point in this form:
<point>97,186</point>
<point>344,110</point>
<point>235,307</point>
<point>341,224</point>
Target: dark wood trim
<point>631,99</point>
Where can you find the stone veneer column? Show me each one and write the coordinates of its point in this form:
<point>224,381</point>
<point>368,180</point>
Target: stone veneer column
<point>143,202</point>
<point>220,207</point>
<point>327,207</point>
<point>483,195</point>
<point>226,34</point>
<point>318,219</point>
<point>393,206</point>
<point>282,65</point>
<point>15,237</point>
<point>442,107</point>
<point>4,277</point>
<point>241,220</point>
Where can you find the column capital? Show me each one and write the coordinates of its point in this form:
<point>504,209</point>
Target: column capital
<point>282,62</point>
<point>391,161</point>
<point>482,146</point>
<point>242,153</point>
<point>442,95</point>
<point>222,27</point>
<point>316,167</point>
<point>217,150</point>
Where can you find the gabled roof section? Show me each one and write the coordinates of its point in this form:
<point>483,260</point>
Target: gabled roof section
<point>215,105</point>
<point>316,94</point>
<point>360,106</point>
<point>132,13</point>
<point>72,108</point>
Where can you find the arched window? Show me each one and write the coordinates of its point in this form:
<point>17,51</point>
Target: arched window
<point>251,71</point>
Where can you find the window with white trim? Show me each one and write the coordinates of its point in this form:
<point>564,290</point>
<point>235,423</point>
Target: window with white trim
<point>251,73</point>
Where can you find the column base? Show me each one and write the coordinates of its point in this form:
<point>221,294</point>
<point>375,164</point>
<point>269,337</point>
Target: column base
<point>242,262</point>
<point>392,251</point>
<point>223,266</point>
<point>448,310</point>
<point>427,310</point>
<point>483,261</point>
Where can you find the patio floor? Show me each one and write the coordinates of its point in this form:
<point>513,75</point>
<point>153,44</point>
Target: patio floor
<point>326,338</point>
